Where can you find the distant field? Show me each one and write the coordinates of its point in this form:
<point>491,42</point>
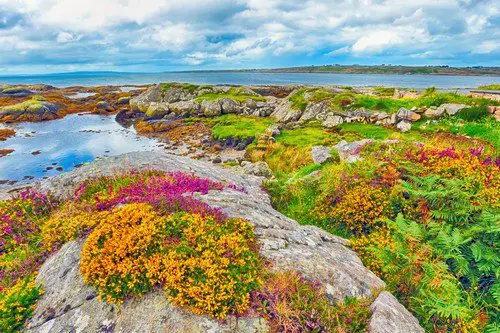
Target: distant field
<point>405,70</point>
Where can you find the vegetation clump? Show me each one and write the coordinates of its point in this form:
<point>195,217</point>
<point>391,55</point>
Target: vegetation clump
<point>235,93</point>
<point>239,127</point>
<point>6,133</point>
<point>490,87</point>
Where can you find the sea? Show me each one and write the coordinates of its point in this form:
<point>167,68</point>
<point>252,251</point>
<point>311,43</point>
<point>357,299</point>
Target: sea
<point>253,78</point>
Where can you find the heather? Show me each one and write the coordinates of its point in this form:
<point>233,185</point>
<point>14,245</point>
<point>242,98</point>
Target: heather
<point>424,217</point>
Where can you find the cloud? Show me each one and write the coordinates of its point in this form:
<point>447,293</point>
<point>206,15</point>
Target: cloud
<point>155,35</point>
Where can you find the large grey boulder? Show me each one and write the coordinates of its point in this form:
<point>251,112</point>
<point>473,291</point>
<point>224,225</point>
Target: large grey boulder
<point>350,151</point>
<point>321,154</point>
<point>185,108</point>
<point>211,108</point>
<point>332,121</point>
<point>315,111</point>
<point>152,94</point>
<point>70,306</point>
<point>403,126</point>
<point>389,316</point>
<point>230,106</point>
<point>284,113</point>
<point>407,115</point>
<point>174,94</point>
<point>452,108</point>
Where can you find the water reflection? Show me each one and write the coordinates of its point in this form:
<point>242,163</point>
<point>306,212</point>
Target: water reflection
<point>66,143</point>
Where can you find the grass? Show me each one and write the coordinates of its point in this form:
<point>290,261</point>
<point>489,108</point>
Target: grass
<point>236,94</point>
<point>384,91</point>
<point>306,136</point>
<point>490,87</point>
<point>191,88</point>
<point>239,127</point>
<point>366,131</point>
<point>298,100</point>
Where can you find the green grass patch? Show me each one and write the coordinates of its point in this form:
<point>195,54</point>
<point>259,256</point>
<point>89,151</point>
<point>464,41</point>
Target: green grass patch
<point>298,100</point>
<point>384,91</point>
<point>191,88</point>
<point>307,136</point>
<point>473,113</point>
<point>490,87</point>
<point>239,127</point>
<point>366,131</point>
<point>235,93</point>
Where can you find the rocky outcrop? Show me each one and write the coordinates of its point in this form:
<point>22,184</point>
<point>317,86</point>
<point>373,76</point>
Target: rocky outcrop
<point>152,94</point>
<point>30,110</point>
<point>389,316</point>
<point>68,305</point>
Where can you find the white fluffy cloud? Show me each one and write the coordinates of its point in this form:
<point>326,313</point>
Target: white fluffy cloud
<point>167,34</point>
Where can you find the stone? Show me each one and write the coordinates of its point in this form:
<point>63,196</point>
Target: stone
<point>157,110</point>
<point>230,106</point>
<point>407,115</point>
<point>350,151</point>
<point>152,94</point>
<point>321,154</point>
<point>389,316</point>
<point>285,114</point>
<point>273,130</point>
<point>403,126</point>
<point>434,112</point>
<point>259,168</point>
<point>332,121</point>
<point>451,108</point>
<point>185,108</point>
<point>175,94</point>
<point>315,111</point>
<point>211,108</point>
<point>492,109</point>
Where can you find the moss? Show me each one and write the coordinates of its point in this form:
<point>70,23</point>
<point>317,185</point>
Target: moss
<point>236,94</point>
<point>31,105</point>
<point>239,127</point>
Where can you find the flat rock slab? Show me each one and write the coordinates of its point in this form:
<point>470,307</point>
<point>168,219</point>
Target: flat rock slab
<point>312,251</point>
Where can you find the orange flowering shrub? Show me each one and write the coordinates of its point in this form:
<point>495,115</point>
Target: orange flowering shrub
<point>364,246</point>
<point>360,208</point>
<point>206,265</point>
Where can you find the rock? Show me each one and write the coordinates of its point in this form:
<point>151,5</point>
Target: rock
<point>250,104</point>
<point>174,94</point>
<point>497,115</point>
<point>230,106</point>
<point>389,316</point>
<point>211,108</point>
<point>492,109</point>
<point>350,151</point>
<point>123,101</point>
<point>451,108</point>
<point>152,94</point>
<point>321,154</point>
<point>285,114</point>
<point>260,169</point>
<point>332,121</point>
<point>68,305</point>
<point>273,130</point>
<point>217,159</point>
<point>185,108</point>
<point>126,117</point>
<point>315,111</point>
<point>403,126</point>
<point>433,112</point>
<point>103,106</point>
<point>30,110</point>
<point>407,115</point>
<point>157,110</point>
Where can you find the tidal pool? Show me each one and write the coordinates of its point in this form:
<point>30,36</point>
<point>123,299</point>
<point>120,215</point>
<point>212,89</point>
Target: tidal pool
<point>48,148</point>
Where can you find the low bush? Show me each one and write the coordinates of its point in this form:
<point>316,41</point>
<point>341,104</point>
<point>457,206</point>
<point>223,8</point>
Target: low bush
<point>17,304</point>
<point>204,264</point>
<point>473,113</point>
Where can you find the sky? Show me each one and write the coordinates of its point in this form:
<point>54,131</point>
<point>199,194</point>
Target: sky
<point>47,36</point>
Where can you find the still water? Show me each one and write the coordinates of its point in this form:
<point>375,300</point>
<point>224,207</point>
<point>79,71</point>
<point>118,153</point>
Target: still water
<point>243,78</point>
<point>41,148</point>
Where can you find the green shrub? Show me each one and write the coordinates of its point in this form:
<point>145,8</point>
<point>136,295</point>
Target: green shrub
<point>473,113</point>
<point>298,100</point>
<point>239,127</point>
<point>17,304</point>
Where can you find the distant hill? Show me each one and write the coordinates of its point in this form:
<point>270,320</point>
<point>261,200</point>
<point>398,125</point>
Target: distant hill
<point>386,69</point>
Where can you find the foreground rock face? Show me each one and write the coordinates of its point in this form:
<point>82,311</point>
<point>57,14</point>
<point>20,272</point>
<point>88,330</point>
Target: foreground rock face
<point>70,306</point>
